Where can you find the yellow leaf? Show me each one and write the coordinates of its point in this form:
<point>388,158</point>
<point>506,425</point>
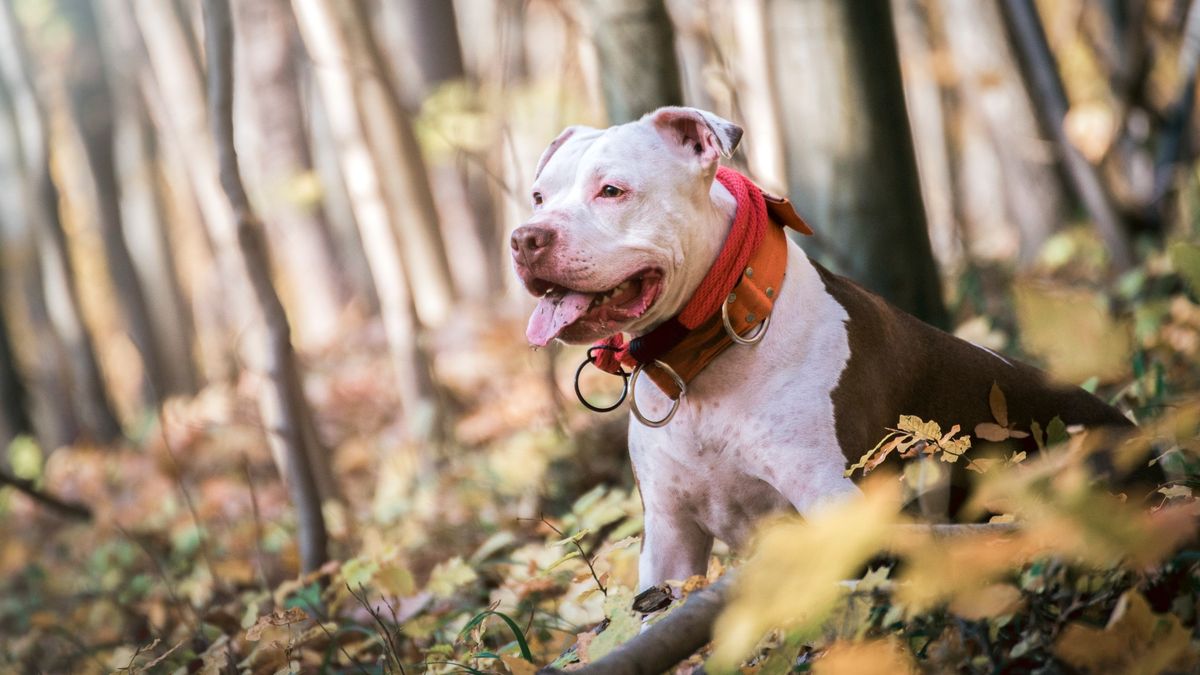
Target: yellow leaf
<point>449,576</point>
<point>783,585</point>
<point>1073,332</point>
<point>877,657</point>
<point>989,601</point>
<point>1175,491</point>
<point>623,625</point>
<point>926,431</point>
<point>998,405</point>
<point>1135,641</point>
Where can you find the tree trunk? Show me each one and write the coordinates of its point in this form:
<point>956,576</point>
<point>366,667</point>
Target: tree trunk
<point>635,44</point>
<point>40,206</point>
<point>406,180</point>
<point>995,99</point>
<point>363,163</point>
<point>425,39</point>
<point>315,292</point>
<point>92,108</point>
<point>151,245</point>
<point>285,411</point>
<point>14,400</point>
<point>31,342</point>
<point>756,96</point>
<point>851,165</point>
<point>176,97</point>
<point>166,185</point>
<point>432,36</point>
<point>1041,72</point>
<point>179,82</point>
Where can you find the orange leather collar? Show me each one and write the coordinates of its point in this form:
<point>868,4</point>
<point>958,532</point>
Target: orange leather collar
<point>748,306</point>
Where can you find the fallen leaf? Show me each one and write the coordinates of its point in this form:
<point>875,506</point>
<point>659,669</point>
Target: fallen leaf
<point>998,405</point>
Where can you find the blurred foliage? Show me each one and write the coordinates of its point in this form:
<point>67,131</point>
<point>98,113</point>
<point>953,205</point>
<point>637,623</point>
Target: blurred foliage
<point>516,547</point>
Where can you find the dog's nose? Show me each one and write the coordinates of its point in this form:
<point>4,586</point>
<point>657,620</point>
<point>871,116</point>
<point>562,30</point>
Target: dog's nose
<point>531,240</point>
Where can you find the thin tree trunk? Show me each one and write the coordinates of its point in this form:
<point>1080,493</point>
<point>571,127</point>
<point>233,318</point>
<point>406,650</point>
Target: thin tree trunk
<point>315,291</point>
<point>635,44</point>
<point>150,243</point>
<point>181,228</point>
<point>431,30</point>
<point>994,97</point>
<point>406,181</point>
<point>757,99</point>
<point>23,302</point>
<point>150,231</point>
<point>336,202</point>
<point>40,198</point>
<point>362,164</point>
<point>92,109</point>
<point>1041,72</point>
<point>425,34</point>
<point>176,97</point>
<point>851,164</point>
<point>284,408</point>
<point>14,399</point>
<point>182,95</point>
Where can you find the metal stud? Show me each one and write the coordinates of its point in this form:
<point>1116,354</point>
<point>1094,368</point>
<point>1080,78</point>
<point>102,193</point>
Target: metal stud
<point>731,298</point>
<point>749,271</point>
<point>750,318</point>
<point>770,292</point>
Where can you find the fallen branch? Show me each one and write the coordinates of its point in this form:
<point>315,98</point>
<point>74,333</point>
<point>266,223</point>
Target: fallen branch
<point>56,504</point>
<point>686,630</point>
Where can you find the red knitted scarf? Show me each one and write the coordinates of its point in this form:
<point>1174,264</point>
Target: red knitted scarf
<point>747,232</point>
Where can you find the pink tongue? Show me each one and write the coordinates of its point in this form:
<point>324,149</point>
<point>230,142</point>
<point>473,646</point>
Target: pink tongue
<point>553,314</point>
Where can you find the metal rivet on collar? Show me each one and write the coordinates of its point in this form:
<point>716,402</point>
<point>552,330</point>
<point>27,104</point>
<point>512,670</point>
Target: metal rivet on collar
<point>749,271</point>
<point>731,298</point>
<point>770,292</point>
<point>750,318</point>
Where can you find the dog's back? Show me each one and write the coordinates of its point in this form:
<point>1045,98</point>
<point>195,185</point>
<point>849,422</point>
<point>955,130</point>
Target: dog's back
<point>900,365</point>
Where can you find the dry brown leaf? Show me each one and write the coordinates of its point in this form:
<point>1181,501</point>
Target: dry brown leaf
<point>991,432</point>
<point>998,405</point>
<point>277,618</point>
<point>517,665</point>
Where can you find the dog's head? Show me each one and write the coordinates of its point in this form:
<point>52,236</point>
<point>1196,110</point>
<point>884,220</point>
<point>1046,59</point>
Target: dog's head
<point>624,225</point>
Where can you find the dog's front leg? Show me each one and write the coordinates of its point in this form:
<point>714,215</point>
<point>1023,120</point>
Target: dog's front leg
<point>673,548</point>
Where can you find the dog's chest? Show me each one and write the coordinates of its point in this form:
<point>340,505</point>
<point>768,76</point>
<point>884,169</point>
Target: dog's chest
<point>756,431</point>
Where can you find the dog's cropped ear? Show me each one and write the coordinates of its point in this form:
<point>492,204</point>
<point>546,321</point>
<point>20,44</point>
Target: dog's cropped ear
<point>555,145</point>
<point>698,132</point>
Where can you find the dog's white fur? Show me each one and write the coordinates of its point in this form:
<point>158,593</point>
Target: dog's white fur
<point>755,433</point>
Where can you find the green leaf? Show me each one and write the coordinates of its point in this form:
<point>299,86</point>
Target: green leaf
<point>1185,258</point>
<point>1056,431</point>
<point>512,625</point>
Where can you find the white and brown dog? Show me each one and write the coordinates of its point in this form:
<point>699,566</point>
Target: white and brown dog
<point>634,232</point>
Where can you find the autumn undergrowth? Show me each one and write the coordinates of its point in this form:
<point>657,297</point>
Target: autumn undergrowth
<point>514,545</point>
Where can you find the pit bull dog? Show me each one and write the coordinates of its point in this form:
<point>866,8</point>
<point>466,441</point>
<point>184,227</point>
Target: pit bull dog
<point>757,373</point>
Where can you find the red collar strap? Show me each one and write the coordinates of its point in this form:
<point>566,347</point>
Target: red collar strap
<point>732,303</point>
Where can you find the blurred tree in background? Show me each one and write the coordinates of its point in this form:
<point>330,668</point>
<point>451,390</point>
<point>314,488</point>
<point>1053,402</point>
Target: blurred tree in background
<point>323,359</point>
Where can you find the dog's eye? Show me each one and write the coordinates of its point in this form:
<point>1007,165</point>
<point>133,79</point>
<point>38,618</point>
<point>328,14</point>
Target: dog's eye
<point>537,199</point>
<point>611,191</point>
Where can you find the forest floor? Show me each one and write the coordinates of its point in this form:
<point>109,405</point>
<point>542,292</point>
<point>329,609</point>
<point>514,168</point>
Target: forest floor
<point>508,544</point>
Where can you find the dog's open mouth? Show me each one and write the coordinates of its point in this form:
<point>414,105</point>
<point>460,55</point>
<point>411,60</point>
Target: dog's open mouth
<point>580,316</point>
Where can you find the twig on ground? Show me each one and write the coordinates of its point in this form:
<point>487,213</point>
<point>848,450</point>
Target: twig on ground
<point>59,506</point>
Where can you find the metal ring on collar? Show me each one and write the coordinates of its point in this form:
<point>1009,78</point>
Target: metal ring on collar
<point>594,408</point>
<point>633,407</point>
<point>753,339</point>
